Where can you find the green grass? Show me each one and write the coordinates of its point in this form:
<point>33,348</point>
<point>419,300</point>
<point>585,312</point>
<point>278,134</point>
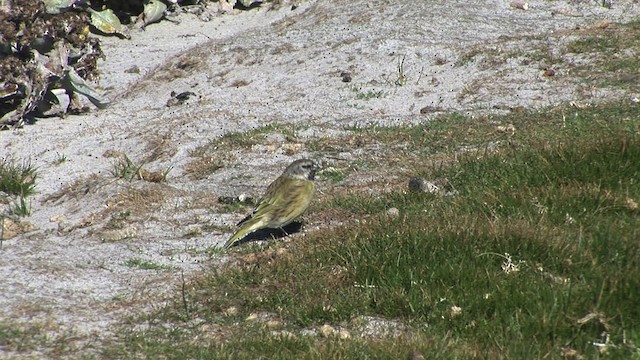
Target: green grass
<point>125,168</point>
<point>401,79</point>
<point>608,55</point>
<point>617,38</point>
<point>35,336</point>
<point>362,94</point>
<point>247,139</point>
<point>536,256</point>
<point>215,154</point>
<point>17,179</point>
<point>145,264</point>
<point>333,174</point>
<point>20,207</point>
<point>615,56</point>
<point>60,158</point>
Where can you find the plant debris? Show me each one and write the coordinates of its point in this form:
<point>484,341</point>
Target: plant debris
<point>47,57</point>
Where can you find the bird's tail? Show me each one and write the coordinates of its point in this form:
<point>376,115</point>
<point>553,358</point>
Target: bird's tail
<point>246,228</point>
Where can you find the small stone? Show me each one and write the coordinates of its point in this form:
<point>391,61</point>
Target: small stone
<point>63,226</point>
<point>509,129</point>
<point>520,4</point>
<point>224,6</point>
<point>418,184</point>
<point>252,317</point>
<point>327,330</point>
<point>393,212</point>
<point>440,60</point>
<point>346,76</point>
<point>455,311</point>
<point>291,149</point>
<point>183,96</point>
<point>602,24</point>
<point>429,109</point>
<point>431,188</point>
<point>344,334</point>
<point>231,311</point>
<point>133,70</point>
<point>57,218</point>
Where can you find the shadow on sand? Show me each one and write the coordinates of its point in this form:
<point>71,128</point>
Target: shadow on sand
<point>271,233</point>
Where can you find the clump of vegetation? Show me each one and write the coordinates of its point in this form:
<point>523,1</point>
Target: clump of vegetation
<point>333,174</point>
<point>46,53</point>
<point>17,181</point>
<point>125,168</point>
<point>145,264</point>
<point>613,56</point>
<point>46,57</point>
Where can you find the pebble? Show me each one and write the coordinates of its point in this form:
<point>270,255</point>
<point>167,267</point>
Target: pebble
<point>327,330</point>
<point>418,184</point>
<point>393,212</point>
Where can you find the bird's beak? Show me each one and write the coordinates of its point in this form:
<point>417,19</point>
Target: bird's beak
<point>316,166</point>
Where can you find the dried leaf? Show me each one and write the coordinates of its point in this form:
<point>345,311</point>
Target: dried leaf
<point>55,102</point>
<point>107,22</point>
<point>77,84</point>
<point>154,10</point>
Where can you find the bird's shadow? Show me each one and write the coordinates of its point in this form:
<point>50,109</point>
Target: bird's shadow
<point>271,233</point>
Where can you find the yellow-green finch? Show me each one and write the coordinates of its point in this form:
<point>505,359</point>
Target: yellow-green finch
<point>286,199</point>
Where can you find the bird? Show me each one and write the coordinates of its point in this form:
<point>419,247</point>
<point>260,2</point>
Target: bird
<point>286,198</point>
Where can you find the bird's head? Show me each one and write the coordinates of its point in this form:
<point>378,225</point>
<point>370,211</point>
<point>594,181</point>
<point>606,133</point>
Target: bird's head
<point>303,169</point>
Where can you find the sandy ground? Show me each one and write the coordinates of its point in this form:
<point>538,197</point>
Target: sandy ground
<point>73,275</point>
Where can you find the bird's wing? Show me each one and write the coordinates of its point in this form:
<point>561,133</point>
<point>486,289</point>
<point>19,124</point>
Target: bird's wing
<point>270,199</point>
<point>267,200</point>
<point>292,204</point>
